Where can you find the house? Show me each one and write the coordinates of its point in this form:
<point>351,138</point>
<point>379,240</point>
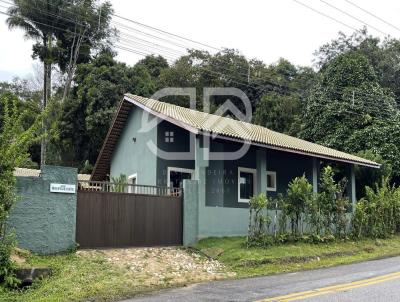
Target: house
<point>160,144</point>
<point>25,172</point>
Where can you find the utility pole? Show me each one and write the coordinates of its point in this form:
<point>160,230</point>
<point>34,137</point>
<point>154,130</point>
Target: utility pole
<point>248,75</point>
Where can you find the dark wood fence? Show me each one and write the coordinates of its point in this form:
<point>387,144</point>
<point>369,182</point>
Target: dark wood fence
<point>109,219</point>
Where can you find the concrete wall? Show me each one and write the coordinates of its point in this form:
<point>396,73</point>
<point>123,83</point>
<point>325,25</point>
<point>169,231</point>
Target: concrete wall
<point>201,221</point>
<point>44,222</point>
<point>132,154</point>
<point>190,212</point>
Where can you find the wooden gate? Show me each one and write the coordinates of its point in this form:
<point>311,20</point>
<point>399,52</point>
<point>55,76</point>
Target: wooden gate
<point>148,216</point>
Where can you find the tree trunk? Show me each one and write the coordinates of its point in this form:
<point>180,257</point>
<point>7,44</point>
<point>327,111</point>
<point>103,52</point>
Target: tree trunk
<point>44,104</point>
<point>46,96</point>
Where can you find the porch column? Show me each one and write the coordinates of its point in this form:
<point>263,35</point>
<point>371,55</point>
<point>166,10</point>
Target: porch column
<point>201,164</point>
<point>315,172</point>
<point>261,167</point>
<point>351,186</point>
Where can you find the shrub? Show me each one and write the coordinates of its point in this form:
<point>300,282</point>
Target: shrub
<point>258,221</point>
<point>7,245</point>
<point>119,183</point>
<point>14,144</point>
<point>299,193</point>
<point>377,215</point>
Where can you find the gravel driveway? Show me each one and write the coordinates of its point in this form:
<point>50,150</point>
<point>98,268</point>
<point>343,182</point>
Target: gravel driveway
<point>164,266</point>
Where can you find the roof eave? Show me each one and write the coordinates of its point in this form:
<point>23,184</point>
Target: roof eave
<point>268,146</point>
<point>197,131</point>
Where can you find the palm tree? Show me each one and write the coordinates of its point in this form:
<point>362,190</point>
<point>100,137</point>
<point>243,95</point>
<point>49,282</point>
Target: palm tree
<point>61,28</point>
<point>40,21</point>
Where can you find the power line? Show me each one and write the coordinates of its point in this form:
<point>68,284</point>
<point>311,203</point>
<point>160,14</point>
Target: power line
<point>325,15</point>
<point>177,44</point>
<point>145,51</point>
<point>151,43</point>
<point>135,51</point>
<point>168,33</point>
<point>139,52</point>
<point>127,40</point>
<point>150,35</point>
<point>48,13</point>
<point>353,17</point>
<point>373,15</point>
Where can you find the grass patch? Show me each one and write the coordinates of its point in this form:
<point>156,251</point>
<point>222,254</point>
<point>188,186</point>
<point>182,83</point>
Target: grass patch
<point>77,278</point>
<point>256,261</point>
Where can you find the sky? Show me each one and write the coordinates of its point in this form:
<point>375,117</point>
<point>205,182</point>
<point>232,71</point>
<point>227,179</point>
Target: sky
<point>266,30</point>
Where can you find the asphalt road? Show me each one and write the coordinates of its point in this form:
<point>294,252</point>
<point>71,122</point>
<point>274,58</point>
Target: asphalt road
<point>377,280</point>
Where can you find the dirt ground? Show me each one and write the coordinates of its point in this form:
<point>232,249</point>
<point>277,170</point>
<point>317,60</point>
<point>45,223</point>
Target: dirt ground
<point>163,266</point>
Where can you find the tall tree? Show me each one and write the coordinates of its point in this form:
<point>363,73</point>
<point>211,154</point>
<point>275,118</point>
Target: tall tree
<point>54,25</point>
<point>154,65</point>
<point>86,115</point>
<point>281,109</point>
<point>38,21</point>
<point>349,110</point>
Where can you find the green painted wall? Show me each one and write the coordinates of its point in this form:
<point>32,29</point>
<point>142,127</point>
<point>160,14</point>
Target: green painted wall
<point>129,156</point>
<point>44,222</point>
<point>190,212</point>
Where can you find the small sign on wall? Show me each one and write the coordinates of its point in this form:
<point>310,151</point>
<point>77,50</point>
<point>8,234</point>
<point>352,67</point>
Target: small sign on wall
<point>62,188</point>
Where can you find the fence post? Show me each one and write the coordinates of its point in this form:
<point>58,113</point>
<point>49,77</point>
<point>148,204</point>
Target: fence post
<point>190,212</point>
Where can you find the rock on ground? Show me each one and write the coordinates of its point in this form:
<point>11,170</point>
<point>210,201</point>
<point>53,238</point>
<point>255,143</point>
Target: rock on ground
<point>163,265</point>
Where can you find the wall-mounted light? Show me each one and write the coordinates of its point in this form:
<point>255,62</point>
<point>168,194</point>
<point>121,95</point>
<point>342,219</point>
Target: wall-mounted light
<point>134,139</point>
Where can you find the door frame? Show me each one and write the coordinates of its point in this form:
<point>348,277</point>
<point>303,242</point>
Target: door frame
<point>132,189</point>
<point>176,169</point>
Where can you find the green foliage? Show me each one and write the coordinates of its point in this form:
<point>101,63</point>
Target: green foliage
<point>354,104</point>
<point>14,144</point>
<point>367,177</point>
<point>86,116</point>
<point>377,215</point>
<point>284,258</point>
<point>298,195</point>
<point>56,37</point>
<point>312,217</point>
<point>7,267</point>
<point>87,168</point>
<point>277,111</point>
<point>258,221</point>
<point>154,65</point>
<point>119,183</point>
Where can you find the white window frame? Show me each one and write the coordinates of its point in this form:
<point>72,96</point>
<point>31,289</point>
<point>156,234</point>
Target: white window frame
<point>176,169</point>
<point>247,170</point>
<point>132,189</point>
<point>273,174</point>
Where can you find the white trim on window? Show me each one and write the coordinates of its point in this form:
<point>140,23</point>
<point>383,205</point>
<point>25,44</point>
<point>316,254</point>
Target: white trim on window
<point>176,169</point>
<point>132,189</point>
<point>273,175</point>
<point>247,170</point>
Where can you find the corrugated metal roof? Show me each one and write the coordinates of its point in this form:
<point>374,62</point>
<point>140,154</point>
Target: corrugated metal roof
<point>24,172</point>
<point>224,126</point>
<point>83,177</point>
